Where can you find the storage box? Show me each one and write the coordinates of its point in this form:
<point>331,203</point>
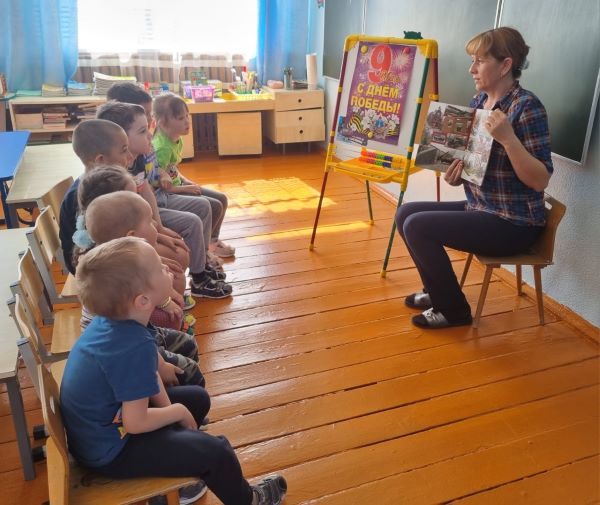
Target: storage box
<point>202,93</point>
<point>29,121</point>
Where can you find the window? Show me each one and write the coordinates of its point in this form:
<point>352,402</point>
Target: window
<point>177,26</point>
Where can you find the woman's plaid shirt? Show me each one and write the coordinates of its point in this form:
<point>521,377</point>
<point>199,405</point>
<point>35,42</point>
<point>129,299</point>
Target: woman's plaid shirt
<point>502,193</point>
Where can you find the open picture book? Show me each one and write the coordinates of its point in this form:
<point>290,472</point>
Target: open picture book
<point>455,132</point>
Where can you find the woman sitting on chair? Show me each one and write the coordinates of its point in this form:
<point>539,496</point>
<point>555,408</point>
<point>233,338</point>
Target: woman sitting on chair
<point>504,215</point>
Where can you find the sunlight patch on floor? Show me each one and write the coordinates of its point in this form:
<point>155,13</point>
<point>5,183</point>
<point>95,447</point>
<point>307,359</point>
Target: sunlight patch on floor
<point>261,196</point>
<point>305,232</point>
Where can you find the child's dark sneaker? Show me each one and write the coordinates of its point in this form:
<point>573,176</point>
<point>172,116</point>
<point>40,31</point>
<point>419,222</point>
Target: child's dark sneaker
<point>421,301</point>
<point>435,320</point>
<point>214,274</point>
<point>209,288</point>
<point>270,491</point>
<point>192,493</point>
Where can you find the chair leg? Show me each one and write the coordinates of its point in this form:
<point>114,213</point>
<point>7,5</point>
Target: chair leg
<point>463,277</point>
<point>173,498</point>
<point>537,276</point>
<point>519,280</point>
<point>484,289</point>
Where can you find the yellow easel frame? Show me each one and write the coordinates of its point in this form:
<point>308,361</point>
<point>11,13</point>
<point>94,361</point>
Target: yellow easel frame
<point>370,173</point>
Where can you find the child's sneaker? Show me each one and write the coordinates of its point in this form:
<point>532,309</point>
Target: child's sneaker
<point>270,491</point>
<point>187,324</point>
<point>188,301</point>
<point>214,261</point>
<point>190,494</point>
<point>222,249</point>
<point>210,288</point>
<point>215,275</point>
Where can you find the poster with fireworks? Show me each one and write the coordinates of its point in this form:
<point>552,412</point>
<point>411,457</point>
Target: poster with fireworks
<point>378,93</point>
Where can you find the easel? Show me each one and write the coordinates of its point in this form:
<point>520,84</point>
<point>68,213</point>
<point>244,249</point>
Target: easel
<point>363,154</point>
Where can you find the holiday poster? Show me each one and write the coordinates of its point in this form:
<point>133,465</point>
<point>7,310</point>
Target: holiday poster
<point>378,93</point>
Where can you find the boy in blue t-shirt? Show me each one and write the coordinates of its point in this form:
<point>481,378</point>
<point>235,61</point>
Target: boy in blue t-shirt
<point>119,418</point>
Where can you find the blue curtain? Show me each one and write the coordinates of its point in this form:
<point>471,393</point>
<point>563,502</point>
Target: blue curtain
<point>38,42</point>
<point>282,38</point>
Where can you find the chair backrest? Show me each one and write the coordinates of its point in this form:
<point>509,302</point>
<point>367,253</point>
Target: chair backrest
<point>54,197</point>
<point>30,286</point>
<point>544,245</point>
<point>45,245</point>
<point>56,445</point>
<point>27,327</point>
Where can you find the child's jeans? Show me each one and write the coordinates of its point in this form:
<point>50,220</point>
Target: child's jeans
<point>174,451</point>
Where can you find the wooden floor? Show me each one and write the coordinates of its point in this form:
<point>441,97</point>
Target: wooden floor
<point>316,372</point>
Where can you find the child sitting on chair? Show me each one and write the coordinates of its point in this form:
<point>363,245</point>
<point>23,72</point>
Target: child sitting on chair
<point>191,217</point>
<point>173,122</point>
<point>115,214</point>
<point>119,418</point>
<point>206,280</point>
<point>99,142</point>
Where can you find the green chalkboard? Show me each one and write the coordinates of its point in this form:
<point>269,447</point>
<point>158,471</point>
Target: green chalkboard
<point>564,60</point>
<point>342,18</point>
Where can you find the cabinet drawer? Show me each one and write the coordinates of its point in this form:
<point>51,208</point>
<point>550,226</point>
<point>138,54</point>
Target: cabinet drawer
<point>303,99</point>
<point>290,134</point>
<point>306,117</point>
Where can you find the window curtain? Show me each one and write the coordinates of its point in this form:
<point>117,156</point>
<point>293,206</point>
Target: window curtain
<point>154,66</point>
<point>282,38</point>
<point>38,42</point>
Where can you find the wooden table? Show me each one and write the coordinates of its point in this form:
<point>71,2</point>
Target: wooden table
<point>41,168</point>
<point>12,146</point>
<point>12,242</point>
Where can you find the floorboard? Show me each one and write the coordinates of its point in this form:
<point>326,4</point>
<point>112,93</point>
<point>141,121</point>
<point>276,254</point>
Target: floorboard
<point>315,370</point>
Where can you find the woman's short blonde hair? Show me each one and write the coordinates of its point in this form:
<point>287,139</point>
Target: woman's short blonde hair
<point>501,43</point>
<point>111,276</point>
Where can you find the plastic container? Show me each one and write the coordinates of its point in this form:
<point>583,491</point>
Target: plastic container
<point>250,95</point>
<point>202,93</point>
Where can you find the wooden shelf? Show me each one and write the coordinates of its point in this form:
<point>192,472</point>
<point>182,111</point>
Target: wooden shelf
<point>58,100</point>
<point>36,104</point>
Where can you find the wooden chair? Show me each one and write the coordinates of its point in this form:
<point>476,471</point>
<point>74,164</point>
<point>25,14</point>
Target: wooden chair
<point>53,199</point>
<point>539,256</point>
<point>69,484</point>
<point>45,244</point>
<point>30,346</point>
<point>66,329</point>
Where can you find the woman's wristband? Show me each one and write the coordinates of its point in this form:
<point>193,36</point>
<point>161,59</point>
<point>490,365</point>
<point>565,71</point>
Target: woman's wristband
<point>165,304</point>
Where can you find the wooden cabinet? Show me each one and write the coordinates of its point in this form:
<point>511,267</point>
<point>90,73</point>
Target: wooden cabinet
<point>239,133</point>
<point>298,116</point>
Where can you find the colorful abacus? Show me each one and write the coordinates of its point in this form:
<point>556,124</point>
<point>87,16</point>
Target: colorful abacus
<point>380,159</point>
